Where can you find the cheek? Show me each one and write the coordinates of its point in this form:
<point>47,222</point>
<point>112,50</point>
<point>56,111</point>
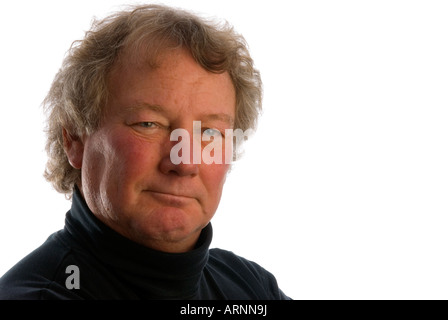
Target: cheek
<point>132,158</point>
<point>214,177</point>
<point>116,159</point>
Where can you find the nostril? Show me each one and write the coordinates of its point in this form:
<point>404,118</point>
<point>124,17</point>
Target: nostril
<point>181,169</point>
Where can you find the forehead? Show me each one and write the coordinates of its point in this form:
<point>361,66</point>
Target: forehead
<point>174,79</point>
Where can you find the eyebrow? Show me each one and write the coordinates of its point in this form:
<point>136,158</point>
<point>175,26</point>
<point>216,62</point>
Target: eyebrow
<point>223,117</point>
<point>220,117</point>
<point>141,106</point>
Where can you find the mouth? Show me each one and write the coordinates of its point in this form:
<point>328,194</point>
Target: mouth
<point>170,199</point>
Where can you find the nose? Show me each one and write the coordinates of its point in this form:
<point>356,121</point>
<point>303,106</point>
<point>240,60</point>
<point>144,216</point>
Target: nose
<point>178,156</point>
<point>182,169</point>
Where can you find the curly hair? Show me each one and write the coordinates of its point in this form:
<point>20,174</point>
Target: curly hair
<point>79,91</point>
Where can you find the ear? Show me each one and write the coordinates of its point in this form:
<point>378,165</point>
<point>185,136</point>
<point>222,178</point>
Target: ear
<point>74,149</point>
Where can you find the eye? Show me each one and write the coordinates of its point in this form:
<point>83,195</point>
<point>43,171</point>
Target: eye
<point>212,132</point>
<point>146,124</point>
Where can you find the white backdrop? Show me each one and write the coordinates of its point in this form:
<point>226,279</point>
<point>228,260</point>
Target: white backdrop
<point>343,191</point>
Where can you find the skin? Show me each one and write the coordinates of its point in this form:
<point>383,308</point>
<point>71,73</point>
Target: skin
<point>127,177</point>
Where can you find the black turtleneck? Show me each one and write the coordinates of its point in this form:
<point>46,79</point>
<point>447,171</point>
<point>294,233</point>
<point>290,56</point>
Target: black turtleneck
<point>110,266</point>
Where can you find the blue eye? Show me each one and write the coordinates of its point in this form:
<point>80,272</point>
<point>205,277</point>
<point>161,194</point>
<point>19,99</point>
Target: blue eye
<point>212,132</point>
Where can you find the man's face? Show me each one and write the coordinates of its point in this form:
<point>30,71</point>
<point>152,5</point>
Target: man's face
<point>128,179</point>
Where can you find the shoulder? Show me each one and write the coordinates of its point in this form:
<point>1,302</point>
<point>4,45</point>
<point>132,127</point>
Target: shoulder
<point>36,276</point>
<point>261,283</point>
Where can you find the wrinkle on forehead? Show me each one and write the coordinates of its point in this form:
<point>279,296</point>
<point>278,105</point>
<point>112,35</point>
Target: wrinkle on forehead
<point>176,77</point>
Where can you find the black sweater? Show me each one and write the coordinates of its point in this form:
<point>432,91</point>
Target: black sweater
<point>110,266</point>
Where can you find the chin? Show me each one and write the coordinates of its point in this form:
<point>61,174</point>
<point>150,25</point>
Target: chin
<point>169,225</point>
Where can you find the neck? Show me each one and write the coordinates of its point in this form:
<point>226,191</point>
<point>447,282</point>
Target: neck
<point>162,244</point>
<point>154,273</point>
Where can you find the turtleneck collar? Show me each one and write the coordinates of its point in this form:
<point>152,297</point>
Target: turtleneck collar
<point>154,274</point>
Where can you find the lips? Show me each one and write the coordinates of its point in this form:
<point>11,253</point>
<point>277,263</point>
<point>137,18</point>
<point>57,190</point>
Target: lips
<point>170,198</point>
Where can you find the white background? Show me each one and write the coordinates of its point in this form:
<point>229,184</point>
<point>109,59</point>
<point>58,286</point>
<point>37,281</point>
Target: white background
<point>343,191</point>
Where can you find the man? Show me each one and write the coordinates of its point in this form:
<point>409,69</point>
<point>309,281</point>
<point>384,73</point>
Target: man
<point>139,226</point>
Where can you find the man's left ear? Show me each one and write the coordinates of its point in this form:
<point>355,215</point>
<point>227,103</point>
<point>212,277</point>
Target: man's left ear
<point>74,149</point>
